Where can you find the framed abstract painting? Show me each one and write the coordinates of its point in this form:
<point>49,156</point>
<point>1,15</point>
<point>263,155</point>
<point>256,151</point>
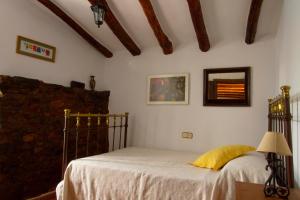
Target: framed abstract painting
<point>32,48</point>
<point>168,89</point>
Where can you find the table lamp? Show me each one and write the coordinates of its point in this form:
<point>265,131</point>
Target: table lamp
<point>275,143</point>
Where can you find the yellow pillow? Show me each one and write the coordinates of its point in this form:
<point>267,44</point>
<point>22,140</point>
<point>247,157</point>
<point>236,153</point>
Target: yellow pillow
<point>217,158</point>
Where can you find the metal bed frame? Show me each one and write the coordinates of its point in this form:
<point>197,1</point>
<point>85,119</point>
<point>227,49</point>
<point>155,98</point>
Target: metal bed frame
<point>295,99</point>
<point>280,121</point>
<point>90,134</point>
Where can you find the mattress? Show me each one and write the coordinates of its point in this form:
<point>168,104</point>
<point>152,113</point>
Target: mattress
<point>142,174</point>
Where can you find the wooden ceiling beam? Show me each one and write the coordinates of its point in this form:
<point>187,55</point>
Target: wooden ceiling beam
<point>118,30</point>
<point>199,25</point>
<point>253,21</point>
<point>76,27</point>
<point>162,38</point>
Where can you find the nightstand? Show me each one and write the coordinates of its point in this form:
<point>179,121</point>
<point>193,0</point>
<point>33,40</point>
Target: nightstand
<point>251,191</point>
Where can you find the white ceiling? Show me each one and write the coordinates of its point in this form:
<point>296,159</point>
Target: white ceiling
<point>225,20</point>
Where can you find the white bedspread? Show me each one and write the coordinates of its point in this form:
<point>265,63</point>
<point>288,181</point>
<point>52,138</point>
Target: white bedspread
<point>148,174</point>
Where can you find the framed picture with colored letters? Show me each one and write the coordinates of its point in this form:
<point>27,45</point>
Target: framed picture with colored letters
<point>32,48</point>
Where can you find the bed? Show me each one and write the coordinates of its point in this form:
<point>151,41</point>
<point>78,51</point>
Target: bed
<point>142,173</point>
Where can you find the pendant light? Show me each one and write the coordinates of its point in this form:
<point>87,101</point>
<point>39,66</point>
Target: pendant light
<point>99,13</point>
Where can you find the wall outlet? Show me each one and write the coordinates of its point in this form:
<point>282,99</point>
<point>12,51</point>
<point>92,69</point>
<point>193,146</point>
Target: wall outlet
<point>187,135</point>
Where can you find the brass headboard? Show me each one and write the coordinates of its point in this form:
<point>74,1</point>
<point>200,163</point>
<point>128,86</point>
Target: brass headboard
<point>89,134</point>
<point>280,121</point>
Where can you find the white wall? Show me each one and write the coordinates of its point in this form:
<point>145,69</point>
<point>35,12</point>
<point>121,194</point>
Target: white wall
<point>161,125</point>
<point>289,68</point>
<point>289,45</point>
<point>76,59</point>
<point>155,125</point>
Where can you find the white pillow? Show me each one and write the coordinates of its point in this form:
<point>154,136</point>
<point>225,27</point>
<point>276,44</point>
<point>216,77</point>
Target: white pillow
<point>248,168</point>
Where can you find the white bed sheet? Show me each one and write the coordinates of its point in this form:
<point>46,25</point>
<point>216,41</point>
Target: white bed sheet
<point>142,174</point>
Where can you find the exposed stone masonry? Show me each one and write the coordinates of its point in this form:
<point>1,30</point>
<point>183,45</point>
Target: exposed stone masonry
<point>32,119</point>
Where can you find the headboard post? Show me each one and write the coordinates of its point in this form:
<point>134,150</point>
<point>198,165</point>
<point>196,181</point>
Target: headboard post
<point>285,91</point>
<point>270,115</point>
<point>65,144</point>
<point>93,138</point>
<point>126,127</point>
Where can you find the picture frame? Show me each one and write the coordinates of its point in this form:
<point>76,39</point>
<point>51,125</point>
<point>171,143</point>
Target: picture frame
<point>35,49</point>
<point>227,86</point>
<point>168,89</point>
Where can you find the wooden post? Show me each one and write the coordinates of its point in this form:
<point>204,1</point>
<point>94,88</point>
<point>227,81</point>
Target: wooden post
<point>65,144</point>
<point>76,27</point>
<point>199,25</point>
<point>161,37</point>
<point>253,20</point>
<point>126,127</point>
<point>1,96</point>
<point>270,115</point>
<point>116,27</point>
<point>287,117</point>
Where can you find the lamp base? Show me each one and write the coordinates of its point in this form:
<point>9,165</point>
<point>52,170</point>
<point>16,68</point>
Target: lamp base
<point>275,185</point>
<point>281,192</point>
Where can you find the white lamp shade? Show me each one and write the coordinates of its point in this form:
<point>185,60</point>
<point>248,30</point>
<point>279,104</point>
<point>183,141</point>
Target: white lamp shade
<point>273,142</point>
<point>1,94</point>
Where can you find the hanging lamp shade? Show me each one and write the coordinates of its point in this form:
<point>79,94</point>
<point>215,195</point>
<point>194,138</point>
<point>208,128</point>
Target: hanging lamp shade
<point>99,13</point>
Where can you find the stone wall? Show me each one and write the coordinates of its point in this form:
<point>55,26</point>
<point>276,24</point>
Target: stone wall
<point>32,120</point>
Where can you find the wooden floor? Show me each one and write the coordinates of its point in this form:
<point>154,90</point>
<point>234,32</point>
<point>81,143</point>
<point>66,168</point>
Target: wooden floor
<point>47,196</point>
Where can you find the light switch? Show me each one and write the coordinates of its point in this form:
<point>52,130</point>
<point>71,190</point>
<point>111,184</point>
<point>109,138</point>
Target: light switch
<point>187,135</point>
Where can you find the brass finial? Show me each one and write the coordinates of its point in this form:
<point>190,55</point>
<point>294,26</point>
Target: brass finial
<point>107,121</point>
<point>285,90</point>
<point>270,100</point>
<point>67,112</point>
<point>89,121</point>
<point>280,107</point>
<point>99,120</point>
<point>78,120</point>
<point>1,94</point>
